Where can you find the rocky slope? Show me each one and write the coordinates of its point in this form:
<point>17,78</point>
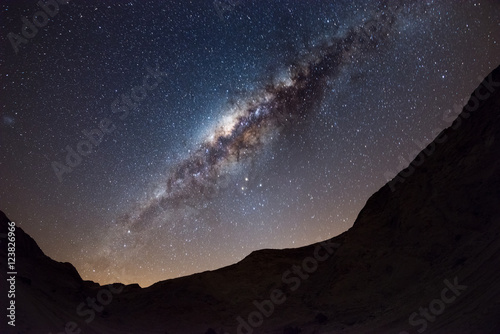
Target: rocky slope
<point>423,255</point>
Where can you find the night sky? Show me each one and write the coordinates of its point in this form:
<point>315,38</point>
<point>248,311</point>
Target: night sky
<point>200,131</point>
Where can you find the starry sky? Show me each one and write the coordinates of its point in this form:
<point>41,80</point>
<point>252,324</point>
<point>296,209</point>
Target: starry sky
<point>146,140</point>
